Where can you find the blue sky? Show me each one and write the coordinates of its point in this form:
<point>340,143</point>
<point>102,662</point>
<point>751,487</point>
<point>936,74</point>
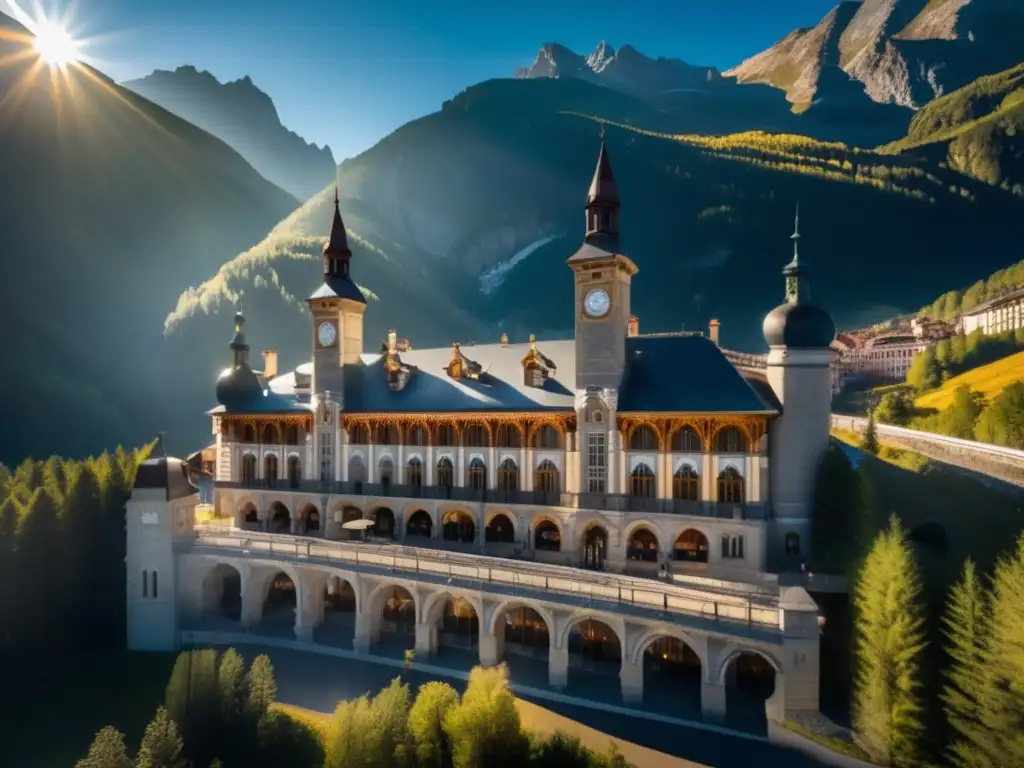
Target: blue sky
<point>348,72</point>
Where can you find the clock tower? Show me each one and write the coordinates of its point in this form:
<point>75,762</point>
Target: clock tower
<point>337,308</point>
<point>603,276</point>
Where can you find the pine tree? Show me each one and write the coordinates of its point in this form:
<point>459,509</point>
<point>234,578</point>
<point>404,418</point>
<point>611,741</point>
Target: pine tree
<point>890,638</point>
<point>161,744</point>
<point>233,687</point>
<point>262,686</point>
<point>39,576</point>
<point>869,443</point>
<point>1001,700</point>
<point>8,569</point>
<point>107,751</point>
<point>426,724</point>
<point>81,514</point>
<point>965,623</point>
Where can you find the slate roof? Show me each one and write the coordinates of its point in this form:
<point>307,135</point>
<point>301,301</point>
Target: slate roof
<point>669,373</point>
<point>161,472</point>
<point>339,288</point>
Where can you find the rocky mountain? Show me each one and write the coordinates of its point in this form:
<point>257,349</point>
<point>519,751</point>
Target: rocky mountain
<point>110,206</point>
<point>696,99</point>
<point>461,222</point>
<point>901,52</point>
<point>245,118</point>
<point>626,69</point>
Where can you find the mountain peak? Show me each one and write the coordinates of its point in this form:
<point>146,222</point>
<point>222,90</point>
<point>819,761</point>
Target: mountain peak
<point>627,69</point>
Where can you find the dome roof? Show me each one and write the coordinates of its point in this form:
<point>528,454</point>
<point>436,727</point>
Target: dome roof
<point>237,385</point>
<point>799,325</point>
<point>164,473</point>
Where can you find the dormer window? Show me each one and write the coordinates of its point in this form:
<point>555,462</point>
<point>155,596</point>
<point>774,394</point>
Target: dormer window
<point>455,365</point>
<point>536,367</point>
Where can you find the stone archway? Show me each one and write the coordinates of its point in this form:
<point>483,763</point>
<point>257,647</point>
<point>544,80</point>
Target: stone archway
<point>397,617</point>
<point>595,655</point>
<point>221,595</point>
<point>458,526</point>
<point>500,530</point>
<point>642,545</point>
<point>750,680</point>
<point>419,525</point>
<point>523,637</point>
<point>280,518</point>
<point>547,536</point>
<point>458,626</point>
<point>383,523</point>
<point>595,547</point>
<point>249,517</point>
<point>691,546</point>
<point>672,676</point>
<point>280,606</point>
<point>309,519</point>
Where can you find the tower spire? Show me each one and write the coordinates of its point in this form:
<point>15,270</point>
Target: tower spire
<point>797,281</point>
<point>238,344</point>
<point>603,200</point>
<point>336,250</point>
<point>795,237</point>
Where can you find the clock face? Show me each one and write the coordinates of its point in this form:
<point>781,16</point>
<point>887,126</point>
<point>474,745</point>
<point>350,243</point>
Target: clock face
<point>326,334</point>
<point>596,303</point>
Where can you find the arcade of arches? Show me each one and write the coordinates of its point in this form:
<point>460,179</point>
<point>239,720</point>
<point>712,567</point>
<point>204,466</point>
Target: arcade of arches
<point>595,542</point>
<point>349,610</point>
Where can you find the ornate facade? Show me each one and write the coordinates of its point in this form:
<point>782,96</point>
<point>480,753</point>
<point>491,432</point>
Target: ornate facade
<point>587,465</point>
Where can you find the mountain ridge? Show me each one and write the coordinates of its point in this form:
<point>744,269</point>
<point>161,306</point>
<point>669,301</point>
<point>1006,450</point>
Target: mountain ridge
<point>244,117</point>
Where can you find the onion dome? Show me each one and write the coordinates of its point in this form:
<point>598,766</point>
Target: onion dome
<point>239,383</point>
<point>798,323</point>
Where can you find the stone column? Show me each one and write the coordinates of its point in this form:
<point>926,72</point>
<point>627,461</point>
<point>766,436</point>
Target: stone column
<point>460,467</point>
<point>252,602</point>
<point>558,667</point>
<point>431,465</point>
<point>492,467</point>
<point>426,640</point>
<point>310,613</point>
<point>365,630</point>
<point>632,680</point>
<point>492,648</point>
<point>712,700</point>
<point>371,464</point>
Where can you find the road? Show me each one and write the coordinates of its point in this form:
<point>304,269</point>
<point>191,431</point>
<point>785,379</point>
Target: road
<point>318,682</point>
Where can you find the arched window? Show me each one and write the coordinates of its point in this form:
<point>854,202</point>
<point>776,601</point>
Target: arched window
<point>643,439</point>
<point>270,469</point>
<point>545,478</point>
<point>446,435</point>
<point>643,482</point>
<point>730,440</point>
<point>414,472</point>
<point>249,434</point>
<point>270,434</point>
<point>356,470</point>
<point>445,472</point>
<point>248,469</point>
<point>419,524</point>
<point>547,436</point>
<point>294,471</point>
<point>475,436</point>
<point>508,436</point>
<point>686,484</point>
<point>291,435</point>
<point>686,440</point>
<point>476,475</point>
<point>691,546</point>
<point>387,435</point>
<point>730,486</point>
<point>358,434</point>
<point>387,470</point>
<point>500,530</point>
<point>458,526</point>
<point>508,476</point>
<point>546,537</point>
<point>418,436</point>
<point>643,545</point>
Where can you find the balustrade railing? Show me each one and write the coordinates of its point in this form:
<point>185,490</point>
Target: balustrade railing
<point>753,606</point>
<point>608,502</point>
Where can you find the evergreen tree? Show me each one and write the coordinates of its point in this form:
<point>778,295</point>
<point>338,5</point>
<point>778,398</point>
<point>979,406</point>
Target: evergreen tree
<point>39,576</point>
<point>1002,422</point>
<point>284,741</point>
<point>233,688</point>
<point>262,686</point>
<point>889,641</point>
<point>484,728</point>
<point>965,629</point>
<point>959,419</point>
<point>426,724</point>
<point>55,477</point>
<point>869,443</point>
<point>1001,700</point>
<point>107,751</point>
<point>349,740</point>
<point>8,570</point>
<point>161,744</point>
<point>82,514</point>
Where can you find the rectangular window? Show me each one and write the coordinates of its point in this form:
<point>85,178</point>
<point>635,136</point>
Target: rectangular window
<point>145,583</point>
<point>732,547</point>
<point>597,469</point>
<point>155,591</point>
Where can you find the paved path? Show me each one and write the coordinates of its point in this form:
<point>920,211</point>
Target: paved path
<point>318,682</point>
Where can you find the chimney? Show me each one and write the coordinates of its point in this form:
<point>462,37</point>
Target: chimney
<point>504,339</point>
<point>392,341</point>
<point>269,363</point>
<point>713,331</point>
<point>633,326</point>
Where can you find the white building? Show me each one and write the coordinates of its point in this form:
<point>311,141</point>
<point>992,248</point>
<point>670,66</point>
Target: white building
<point>537,469</point>
<point>1003,313</point>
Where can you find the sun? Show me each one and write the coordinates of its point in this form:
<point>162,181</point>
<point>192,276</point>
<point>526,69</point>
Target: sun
<point>55,45</point>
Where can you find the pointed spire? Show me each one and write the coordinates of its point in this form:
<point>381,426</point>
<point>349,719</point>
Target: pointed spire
<point>795,237</point>
<point>336,250</point>
<point>797,281</point>
<point>603,200</point>
<point>238,344</point>
<point>157,451</point>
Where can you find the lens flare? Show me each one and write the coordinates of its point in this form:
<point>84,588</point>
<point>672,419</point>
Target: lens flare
<point>55,45</point>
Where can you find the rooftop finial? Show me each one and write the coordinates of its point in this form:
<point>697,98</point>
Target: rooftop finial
<point>239,317</point>
<point>795,237</point>
<point>336,200</point>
